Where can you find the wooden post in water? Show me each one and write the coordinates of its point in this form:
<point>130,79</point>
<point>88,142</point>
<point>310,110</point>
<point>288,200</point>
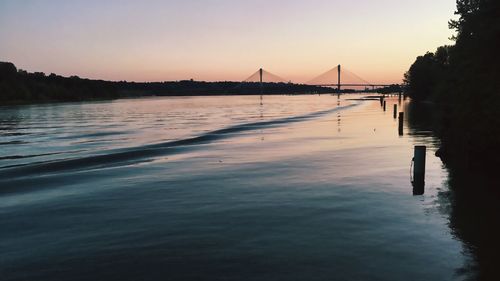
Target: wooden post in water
<point>385,103</point>
<point>381,100</point>
<point>395,111</point>
<point>401,120</point>
<point>419,169</point>
<point>419,159</point>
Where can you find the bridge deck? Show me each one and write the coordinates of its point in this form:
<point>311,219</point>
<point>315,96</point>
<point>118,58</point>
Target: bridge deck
<point>356,85</point>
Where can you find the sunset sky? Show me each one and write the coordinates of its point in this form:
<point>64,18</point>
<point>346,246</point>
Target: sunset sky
<point>211,40</point>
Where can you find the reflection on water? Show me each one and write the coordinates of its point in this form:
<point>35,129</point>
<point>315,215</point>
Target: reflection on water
<point>293,188</point>
<point>474,219</point>
<point>472,202</point>
<point>78,129</point>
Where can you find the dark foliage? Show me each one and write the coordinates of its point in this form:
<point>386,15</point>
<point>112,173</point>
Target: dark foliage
<point>465,79</point>
<point>19,86</point>
<point>392,89</point>
<point>427,74</point>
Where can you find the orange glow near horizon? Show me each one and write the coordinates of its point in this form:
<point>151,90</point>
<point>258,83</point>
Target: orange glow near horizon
<point>220,40</point>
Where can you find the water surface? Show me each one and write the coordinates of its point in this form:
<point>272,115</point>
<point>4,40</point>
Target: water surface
<point>220,188</point>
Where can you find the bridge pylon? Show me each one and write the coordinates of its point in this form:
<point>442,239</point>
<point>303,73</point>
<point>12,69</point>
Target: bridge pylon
<point>261,73</point>
<point>338,80</point>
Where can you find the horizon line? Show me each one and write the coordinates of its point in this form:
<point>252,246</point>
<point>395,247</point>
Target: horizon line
<point>183,79</point>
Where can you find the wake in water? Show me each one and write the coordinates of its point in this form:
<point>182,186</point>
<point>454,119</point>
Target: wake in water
<point>134,155</point>
<point>281,191</point>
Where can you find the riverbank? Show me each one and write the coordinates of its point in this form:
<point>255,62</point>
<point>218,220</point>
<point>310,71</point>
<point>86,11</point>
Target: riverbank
<point>463,79</point>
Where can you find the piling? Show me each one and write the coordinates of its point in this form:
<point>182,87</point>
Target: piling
<point>381,101</point>
<point>385,103</point>
<point>419,169</point>
<point>419,159</point>
<point>395,111</point>
<point>401,121</point>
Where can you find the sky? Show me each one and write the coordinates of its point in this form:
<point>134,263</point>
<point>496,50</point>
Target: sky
<point>221,40</point>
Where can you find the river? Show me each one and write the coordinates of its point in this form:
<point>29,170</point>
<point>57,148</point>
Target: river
<point>223,188</point>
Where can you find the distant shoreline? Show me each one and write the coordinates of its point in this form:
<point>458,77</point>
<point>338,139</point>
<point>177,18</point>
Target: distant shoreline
<point>19,87</point>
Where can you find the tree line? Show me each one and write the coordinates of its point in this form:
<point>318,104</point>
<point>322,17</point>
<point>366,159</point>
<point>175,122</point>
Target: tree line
<point>464,80</point>
<point>19,86</point>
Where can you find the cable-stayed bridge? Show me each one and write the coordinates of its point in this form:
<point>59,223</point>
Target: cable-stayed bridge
<point>337,77</point>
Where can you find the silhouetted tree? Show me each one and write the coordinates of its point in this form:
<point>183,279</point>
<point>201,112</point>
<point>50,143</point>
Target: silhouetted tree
<point>7,70</point>
<point>465,78</point>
